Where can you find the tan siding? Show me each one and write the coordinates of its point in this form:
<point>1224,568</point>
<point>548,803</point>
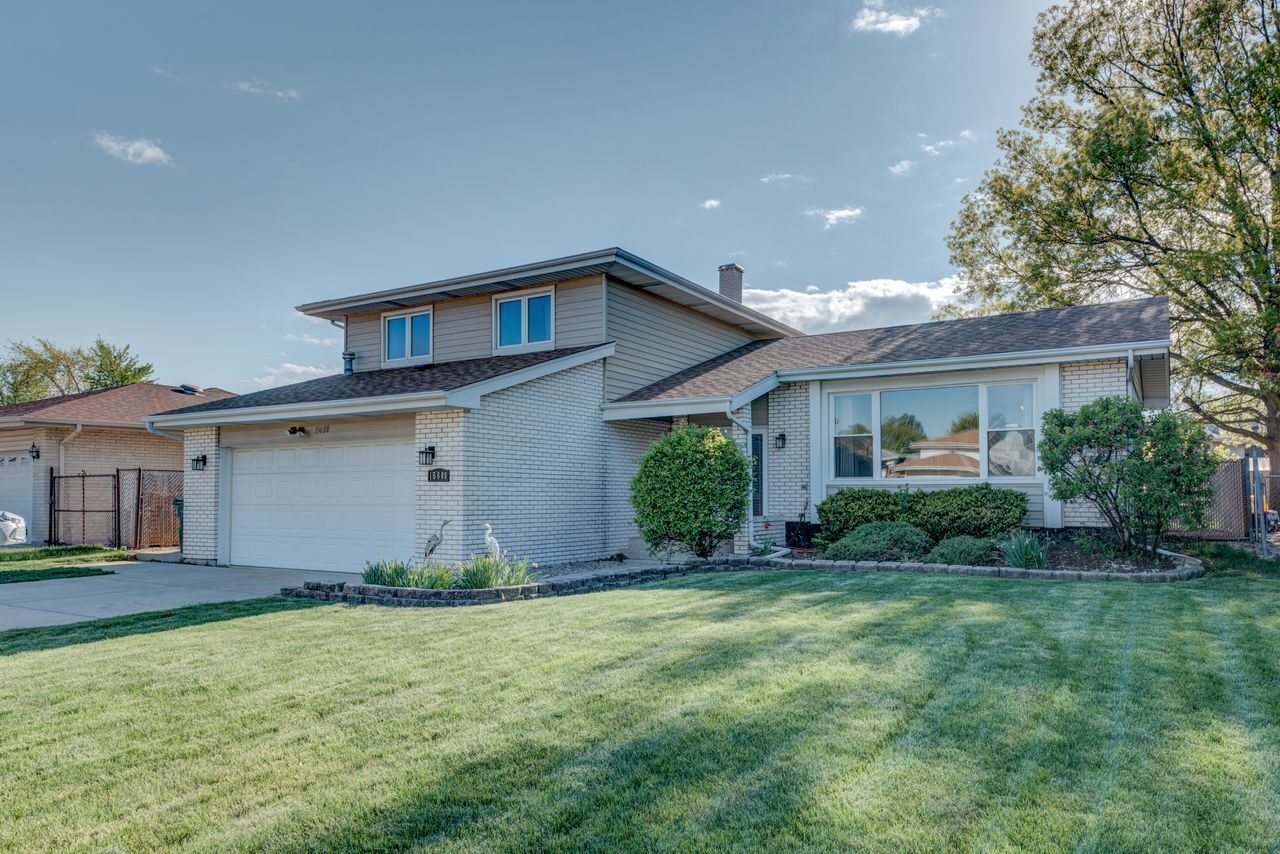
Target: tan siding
<point>464,327</point>
<point>656,338</point>
<point>1034,517</point>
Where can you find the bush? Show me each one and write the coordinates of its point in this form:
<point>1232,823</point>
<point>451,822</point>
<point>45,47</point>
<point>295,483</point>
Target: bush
<point>1024,550</point>
<point>962,550</point>
<point>690,492</point>
<point>475,574</point>
<point>483,572</point>
<point>1144,472</point>
<point>845,511</point>
<point>981,511</point>
<point>881,541</point>
<point>397,573</point>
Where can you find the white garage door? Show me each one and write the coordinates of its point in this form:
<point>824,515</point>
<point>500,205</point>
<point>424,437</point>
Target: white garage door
<point>322,506</point>
<point>16,485</point>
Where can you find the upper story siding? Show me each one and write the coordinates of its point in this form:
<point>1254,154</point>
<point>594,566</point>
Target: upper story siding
<point>463,328</point>
<point>656,338</point>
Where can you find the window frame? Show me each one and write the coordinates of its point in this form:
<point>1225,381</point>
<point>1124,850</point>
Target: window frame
<point>839,388</point>
<point>523,297</point>
<point>408,359</point>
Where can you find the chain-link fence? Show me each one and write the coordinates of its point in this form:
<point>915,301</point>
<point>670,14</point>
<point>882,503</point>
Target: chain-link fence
<point>1228,516</point>
<point>132,508</point>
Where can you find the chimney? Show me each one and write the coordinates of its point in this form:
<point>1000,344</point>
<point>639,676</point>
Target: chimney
<point>731,282</point>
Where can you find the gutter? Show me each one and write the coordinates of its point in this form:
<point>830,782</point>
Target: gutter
<point>164,434</point>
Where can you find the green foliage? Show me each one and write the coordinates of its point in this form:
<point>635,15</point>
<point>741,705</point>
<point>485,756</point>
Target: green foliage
<point>1024,550</point>
<point>881,541</point>
<point>846,510</point>
<point>765,547</point>
<point>690,492</point>
<point>482,572</point>
<point>41,368</point>
<point>478,573</point>
<point>897,432</point>
<point>1145,472</point>
<point>963,550</point>
<point>980,510</point>
<point>1139,170</point>
<point>108,366</point>
<point>1220,557</point>
<point>1091,544</point>
<point>29,553</point>
<point>965,421</point>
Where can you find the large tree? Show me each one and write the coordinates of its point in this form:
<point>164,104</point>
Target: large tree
<point>40,368</point>
<point>1148,164</point>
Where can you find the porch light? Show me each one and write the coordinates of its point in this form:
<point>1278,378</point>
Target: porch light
<point>199,463</point>
<point>35,451</point>
<point>780,441</point>
<point>427,456</point>
<point>298,432</point>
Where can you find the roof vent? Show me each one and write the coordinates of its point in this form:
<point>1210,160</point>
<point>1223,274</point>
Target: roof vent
<point>194,390</point>
<point>731,282</point>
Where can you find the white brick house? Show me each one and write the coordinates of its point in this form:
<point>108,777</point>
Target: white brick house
<point>525,397</point>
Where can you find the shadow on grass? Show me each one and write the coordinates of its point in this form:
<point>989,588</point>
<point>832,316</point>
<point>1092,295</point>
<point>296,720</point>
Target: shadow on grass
<point>18,641</point>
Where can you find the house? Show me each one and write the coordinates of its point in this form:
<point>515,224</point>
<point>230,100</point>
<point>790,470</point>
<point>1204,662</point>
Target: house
<point>524,397</point>
<point>96,433</point>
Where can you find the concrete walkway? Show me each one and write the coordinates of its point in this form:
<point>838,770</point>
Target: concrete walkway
<point>137,587</point>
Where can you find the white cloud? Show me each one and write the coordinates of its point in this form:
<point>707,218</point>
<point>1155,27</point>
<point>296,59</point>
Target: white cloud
<point>937,147</point>
<point>143,152</point>
<point>168,75</point>
<point>873,17</point>
<point>308,338</point>
<point>835,216</point>
<point>261,87</point>
<point>289,373</point>
<point>710,204</point>
<point>902,167</point>
<point>785,179</point>
<point>968,135</point>
<point>859,305</point>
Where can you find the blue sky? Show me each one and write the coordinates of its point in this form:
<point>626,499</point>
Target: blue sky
<point>178,176</point>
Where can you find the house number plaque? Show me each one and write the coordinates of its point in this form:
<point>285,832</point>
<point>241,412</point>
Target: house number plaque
<point>438,476</point>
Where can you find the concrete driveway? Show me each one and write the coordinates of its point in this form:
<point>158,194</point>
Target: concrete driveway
<point>137,587</point>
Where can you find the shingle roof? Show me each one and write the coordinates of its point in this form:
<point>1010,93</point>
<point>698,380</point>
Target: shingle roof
<point>1025,331</point>
<point>444,376</point>
<point>126,404</point>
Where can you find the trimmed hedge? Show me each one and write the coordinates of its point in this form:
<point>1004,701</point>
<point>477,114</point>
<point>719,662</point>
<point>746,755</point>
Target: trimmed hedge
<point>962,550</point>
<point>881,541</point>
<point>980,510</point>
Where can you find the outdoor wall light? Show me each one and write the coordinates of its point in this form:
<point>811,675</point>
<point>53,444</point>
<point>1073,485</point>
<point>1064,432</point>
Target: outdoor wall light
<point>35,451</point>
<point>199,463</point>
<point>780,441</point>
<point>300,432</point>
<point>427,456</point>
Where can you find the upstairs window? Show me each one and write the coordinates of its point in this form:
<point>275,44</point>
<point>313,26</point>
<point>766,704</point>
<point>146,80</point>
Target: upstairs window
<point>406,337</point>
<point>525,322</point>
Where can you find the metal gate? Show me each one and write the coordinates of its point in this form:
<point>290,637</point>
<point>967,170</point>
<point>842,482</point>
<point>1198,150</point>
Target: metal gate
<point>1228,516</point>
<point>132,508</point>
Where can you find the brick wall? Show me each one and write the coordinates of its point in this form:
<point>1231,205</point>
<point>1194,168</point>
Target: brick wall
<point>788,480</point>
<point>1081,383</point>
<point>625,443</point>
<point>200,493</point>
<point>439,502</point>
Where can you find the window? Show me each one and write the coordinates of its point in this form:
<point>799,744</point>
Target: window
<point>929,432</point>
<point>406,336</point>
<point>853,440</point>
<point>1011,434</point>
<point>525,322</point>
<point>757,474</point>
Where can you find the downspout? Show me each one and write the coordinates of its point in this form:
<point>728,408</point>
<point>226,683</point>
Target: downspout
<point>1133,384</point>
<point>746,430</point>
<point>62,448</point>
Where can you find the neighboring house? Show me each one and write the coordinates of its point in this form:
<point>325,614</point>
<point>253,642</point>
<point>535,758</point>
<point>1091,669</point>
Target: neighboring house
<point>95,432</point>
<point>525,397</point>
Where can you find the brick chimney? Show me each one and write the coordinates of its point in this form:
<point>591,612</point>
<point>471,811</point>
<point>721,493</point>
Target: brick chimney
<point>731,282</point>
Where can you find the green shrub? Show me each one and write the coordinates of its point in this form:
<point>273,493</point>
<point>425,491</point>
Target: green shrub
<point>690,492</point>
<point>899,541</point>
<point>398,573</point>
<point>963,550</point>
<point>482,572</point>
<point>1024,550</point>
<point>845,511</point>
<point>433,576</point>
<point>980,510</point>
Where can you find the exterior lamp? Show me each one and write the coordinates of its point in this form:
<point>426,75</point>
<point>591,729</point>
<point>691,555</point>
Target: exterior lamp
<point>35,451</point>
<point>199,463</point>
<point>299,432</point>
<point>780,441</point>
<point>427,456</point>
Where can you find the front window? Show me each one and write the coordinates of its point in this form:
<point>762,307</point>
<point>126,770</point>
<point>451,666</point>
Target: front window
<point>929,432</point>
<point>407,336</point>
<point>1011,434</point>
<point>853,440</point>
<point>524,322</point>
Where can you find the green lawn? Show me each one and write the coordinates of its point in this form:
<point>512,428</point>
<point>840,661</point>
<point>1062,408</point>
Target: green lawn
<point>45,562</point>
<point>717,712</point>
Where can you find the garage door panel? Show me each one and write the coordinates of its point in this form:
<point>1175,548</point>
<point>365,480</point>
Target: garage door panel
<point>323,506</point>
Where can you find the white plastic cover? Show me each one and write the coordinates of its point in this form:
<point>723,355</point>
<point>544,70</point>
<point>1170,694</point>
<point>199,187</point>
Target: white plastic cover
<point>13,529</point>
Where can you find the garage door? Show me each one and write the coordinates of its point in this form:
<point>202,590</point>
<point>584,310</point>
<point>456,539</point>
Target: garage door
<point>322,506</point>
<point>16,485</point>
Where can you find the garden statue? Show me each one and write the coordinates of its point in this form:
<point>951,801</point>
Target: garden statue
<point>491,543</point>
<point>433,541</point>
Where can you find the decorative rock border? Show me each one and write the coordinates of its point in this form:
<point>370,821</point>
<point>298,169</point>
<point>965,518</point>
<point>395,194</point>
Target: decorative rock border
<point>376,594</point>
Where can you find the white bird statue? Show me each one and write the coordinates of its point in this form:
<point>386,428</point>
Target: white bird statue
<point>433,541</point>
<point>491,542</point>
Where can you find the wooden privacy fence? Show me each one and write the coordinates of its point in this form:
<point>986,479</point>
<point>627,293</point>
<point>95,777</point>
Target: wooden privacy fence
<point>132,508</point>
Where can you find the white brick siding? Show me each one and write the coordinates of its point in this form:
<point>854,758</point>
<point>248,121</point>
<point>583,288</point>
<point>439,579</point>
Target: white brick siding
<point>201,497</point>
<point>1081,383</point>
<point>626,443</point>
<point>787,483</point>
<point>438,502</point>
